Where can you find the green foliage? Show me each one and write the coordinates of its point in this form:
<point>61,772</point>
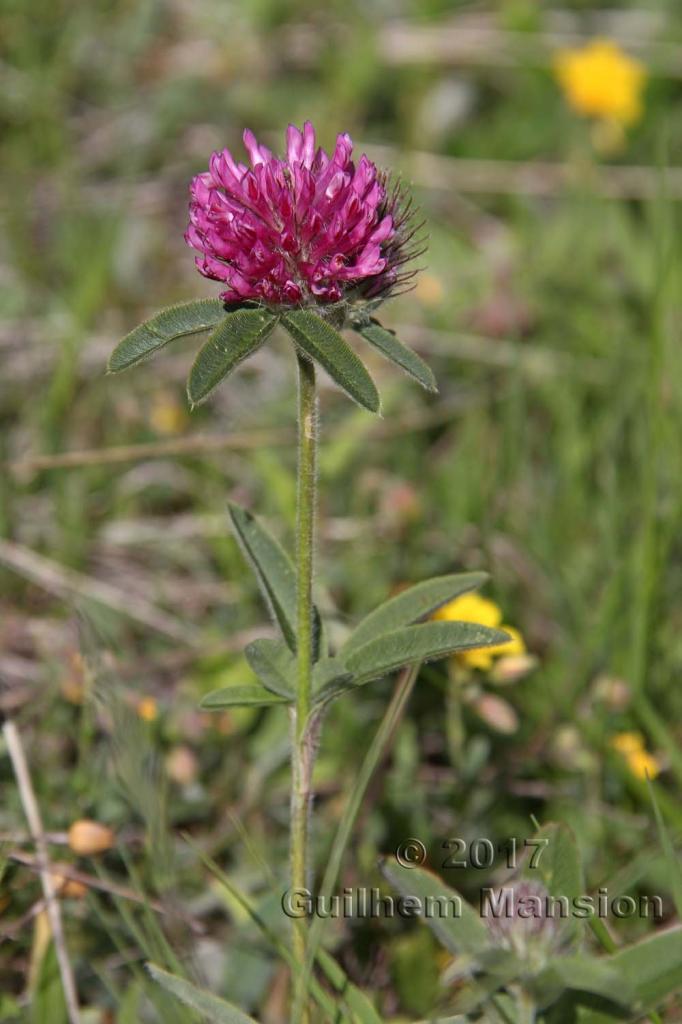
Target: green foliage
<point>393,349</point>
<point>274,571</point>
<point>321,342</point>
<point>411,605</point>
<point>560,867</point>
<point>414,644</point>
<point>173,322</point>
<point>212,1009</point>
<point>237,337</point>
<point>551,456</point>
<point>668,848</point>
<point>653,967</point>
<point>458,927</point>
<point>331,678</point>
<point>240,696</point>
<point>581,973</point>
<point>274,664</point>
<point>360,1008</point>
<point>628,983</point>
<point>415,971</point>
<point>47,1002</point>
<point>376,647</point>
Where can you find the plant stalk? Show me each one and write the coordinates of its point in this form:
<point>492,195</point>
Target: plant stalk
<point>302,743</point>
<point>376,750</point>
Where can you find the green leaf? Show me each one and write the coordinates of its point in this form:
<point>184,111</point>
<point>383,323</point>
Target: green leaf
<point>665,840</point>
<point>273,568</point>
<point>445,1020</point>
<point>274,664</point>
<point>452,920</point>
<point>458,1019</point>
<point>173,322</point>
<point>388,344</point>
<point>323,343</point>
<point>215,1010</point>
<point>47,996</point>
<point>413,644</point>
<point>411,605</point>
<point>478,991</point>
<point>654,967</point>
<point>357,1002</point>
<point>560,867</point>
<point>275,573</point>
<point>236,338</point>
<point>240,696</point>
<point>585,974</point>
<point>330,679</point>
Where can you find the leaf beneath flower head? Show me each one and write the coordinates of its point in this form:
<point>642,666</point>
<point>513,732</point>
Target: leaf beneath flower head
<point>323,343</point>
<point>173,322</point>
<point>425,642</point>
<point>392,348</point>
<point>233,341</point>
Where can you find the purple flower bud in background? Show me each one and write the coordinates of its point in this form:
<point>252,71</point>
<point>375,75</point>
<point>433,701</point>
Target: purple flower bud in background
<point>310,229</point>
<point>519,918</point>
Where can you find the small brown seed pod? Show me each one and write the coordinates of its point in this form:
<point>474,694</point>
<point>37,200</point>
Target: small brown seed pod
<point>88,838</point>
<point>68,888</point>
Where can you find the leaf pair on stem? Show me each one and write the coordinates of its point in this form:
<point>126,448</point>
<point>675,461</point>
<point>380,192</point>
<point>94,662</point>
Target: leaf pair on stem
<point>391,636</point>
<point>238,333</point>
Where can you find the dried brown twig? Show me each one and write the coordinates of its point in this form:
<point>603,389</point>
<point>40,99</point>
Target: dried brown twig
<point>29,802</point>
<point>65,582</point>
<point>532,177</point>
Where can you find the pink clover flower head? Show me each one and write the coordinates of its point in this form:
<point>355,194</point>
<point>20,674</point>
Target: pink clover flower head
<point>310,229</point>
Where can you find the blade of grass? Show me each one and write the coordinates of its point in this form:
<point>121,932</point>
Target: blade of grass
<point>654,724</point>
<point>668,851</point>
<point>321,997</point>
<point>15,749</point>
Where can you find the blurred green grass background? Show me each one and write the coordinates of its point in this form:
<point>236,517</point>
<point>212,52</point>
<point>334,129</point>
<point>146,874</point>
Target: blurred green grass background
<point>551,458</point>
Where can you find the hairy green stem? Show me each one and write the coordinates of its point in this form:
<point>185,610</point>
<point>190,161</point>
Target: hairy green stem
<point>302,743</point>
<point>525,1006</point>
<point>376,750</point>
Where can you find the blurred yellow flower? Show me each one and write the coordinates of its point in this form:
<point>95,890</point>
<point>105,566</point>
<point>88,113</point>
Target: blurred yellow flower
<point>429,289</point>
<point>599,80</point>
<point>641,763</point>
<point>167,416</point>
<point>474,608</point>
<point>147,709</point>
<point>627,743</point>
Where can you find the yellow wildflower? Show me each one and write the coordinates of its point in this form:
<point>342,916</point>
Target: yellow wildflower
<point>147,709</point>
<point>474,608</point>
<point>167,416</point>
<point>599,80</point>
<point>627,743</point>
<point>641,763</point>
